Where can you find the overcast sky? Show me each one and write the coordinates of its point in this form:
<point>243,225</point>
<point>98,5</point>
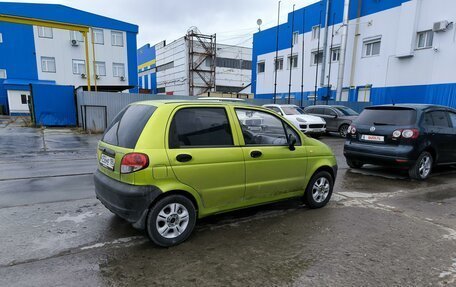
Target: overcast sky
<point>234,21</point>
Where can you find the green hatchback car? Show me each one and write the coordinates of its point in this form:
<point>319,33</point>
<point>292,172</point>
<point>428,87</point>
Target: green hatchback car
<point>164,164</point>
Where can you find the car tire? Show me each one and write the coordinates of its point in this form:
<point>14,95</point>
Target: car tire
<point>171,220</point>
<point>319,190</point>
<point>354,163</point>
<point>343,130</point>
<point>422,167</point>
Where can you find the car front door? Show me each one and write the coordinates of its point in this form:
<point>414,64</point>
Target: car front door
<point>331,119</point>
<point>452,117</point>
<point>272,169</point>
<point>204,153</point>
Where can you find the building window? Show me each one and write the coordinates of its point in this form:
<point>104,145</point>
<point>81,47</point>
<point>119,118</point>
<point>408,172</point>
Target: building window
<point>364,94</point>
<point>118,70</point>
<point>261,67</point>
<point>295,38</point>
<point>2,74</point>
<point>278,64</point>
<point>79,67</point>
<point>117,38</point>
<point>100,68</point>
<point>315,32</point>
<point>343,97</point>
<point>317,57</point>
<point>424,39</point>
<point>293,61</point>
<point>76,35</point>
<point>1,38</point>
<point>335,55</point>
<point>23,99</point>
<point>165,67</point>
<point>48,64</point>
<point>45,32</point>
<point>246,65</point>
<point>372,47</point>
<point>98,36</point>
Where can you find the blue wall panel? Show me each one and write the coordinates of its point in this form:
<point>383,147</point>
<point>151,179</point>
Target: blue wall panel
<point>132,61</point>
<point>54,105</point>
<point>17,55</point>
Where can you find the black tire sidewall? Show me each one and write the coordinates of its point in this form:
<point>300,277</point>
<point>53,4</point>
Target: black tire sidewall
<point>346,130</point>
<point>152,216</point>
<point>309,200</point>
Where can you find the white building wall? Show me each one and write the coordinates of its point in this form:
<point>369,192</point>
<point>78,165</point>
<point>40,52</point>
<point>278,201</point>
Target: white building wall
<point>15,102</point>
<point>175,79</point>
<point>423,67</point>
<point>59,47</point>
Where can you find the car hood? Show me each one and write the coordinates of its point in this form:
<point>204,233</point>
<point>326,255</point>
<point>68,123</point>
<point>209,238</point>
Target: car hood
<point>307,118</point>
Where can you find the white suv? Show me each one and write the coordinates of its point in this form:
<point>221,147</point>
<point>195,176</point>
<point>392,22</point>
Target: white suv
<point>312,125</point>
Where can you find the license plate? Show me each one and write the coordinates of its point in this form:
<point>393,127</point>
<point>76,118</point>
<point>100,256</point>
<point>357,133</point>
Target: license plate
<point>372,138</point>
<point>107,161</point>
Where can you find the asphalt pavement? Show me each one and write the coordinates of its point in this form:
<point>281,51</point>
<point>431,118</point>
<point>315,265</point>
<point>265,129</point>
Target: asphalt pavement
<point>380,228</point>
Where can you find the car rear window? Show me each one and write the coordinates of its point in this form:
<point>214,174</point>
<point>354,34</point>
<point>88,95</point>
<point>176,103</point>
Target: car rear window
<point>387,116</point>
<point>127,126</point>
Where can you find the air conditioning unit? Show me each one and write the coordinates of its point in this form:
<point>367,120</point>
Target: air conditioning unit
<point>83,76</point>
<point>97,77</point>
<point>440,26</point>
<point>122,78</point>
<point>74,43</point>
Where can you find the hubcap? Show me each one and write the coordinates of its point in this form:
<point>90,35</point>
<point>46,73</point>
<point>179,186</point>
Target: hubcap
<point>343,131</point>
<point>320,189</point>
<point>172,220</point>
<point>425,167</point>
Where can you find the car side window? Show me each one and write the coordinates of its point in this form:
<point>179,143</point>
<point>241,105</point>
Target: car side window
<point>261,128</point>
<point>319,111</point>
<point>275,109</point>
<point>200,127</point>
<point>427,119</point>
<point>330,112</point>
<point>452,119</point>
<point>440,119</point>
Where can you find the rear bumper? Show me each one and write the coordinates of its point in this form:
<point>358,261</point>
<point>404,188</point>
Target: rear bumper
<point>130,202</point>
<point>401,155</point>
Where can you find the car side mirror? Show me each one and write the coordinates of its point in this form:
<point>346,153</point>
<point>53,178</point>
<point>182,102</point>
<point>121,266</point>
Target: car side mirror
<point>291,142</point>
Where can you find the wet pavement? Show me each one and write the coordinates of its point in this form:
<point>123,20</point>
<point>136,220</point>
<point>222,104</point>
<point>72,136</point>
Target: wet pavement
<point>380,228</point>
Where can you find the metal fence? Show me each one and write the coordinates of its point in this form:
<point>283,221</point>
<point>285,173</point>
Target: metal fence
<point>97,109</point>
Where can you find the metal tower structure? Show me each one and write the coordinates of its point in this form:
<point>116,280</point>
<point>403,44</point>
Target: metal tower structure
<point>202,56</point>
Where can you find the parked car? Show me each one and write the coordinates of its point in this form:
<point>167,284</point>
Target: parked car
<point>338,118</point>
<point>415,137</point>
<point>311,125</point>
<point>164,164</point>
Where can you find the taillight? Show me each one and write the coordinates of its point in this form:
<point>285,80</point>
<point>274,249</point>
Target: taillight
<point>132,162</point>
<point>406,134</point>
<point>410,133</point>
<point>351,130</point>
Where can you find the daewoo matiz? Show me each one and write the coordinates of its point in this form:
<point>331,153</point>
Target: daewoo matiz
<point>164,164</point>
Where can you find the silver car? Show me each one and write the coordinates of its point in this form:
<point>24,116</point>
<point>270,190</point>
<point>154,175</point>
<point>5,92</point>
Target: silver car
<point>338,118</point>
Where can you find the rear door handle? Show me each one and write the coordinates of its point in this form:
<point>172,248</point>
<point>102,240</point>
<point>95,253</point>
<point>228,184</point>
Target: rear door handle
<point>183,157</point>
<point>256,153</point>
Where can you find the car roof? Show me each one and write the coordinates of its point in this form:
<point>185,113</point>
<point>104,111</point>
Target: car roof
<point>197,101</point>
<point>278,105</point>
<point>414,106</point>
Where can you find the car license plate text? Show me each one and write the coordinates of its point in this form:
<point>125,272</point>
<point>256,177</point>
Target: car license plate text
<point>372,138</point>
<point>107,161</point>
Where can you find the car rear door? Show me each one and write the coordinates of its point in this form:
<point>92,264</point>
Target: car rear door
<point>452,116</point>
<point>440,133</point>
<point>204,153</point>
<point>330,117</point>
<point>272,170</point>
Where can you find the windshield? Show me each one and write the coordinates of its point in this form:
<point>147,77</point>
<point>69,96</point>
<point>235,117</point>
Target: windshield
<point>346,111</point>
<point>387,117</point>
<point>292,111</point>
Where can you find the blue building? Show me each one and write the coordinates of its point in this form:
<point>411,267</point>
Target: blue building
<point>147,72</point>
<point>396,51</point>
<point>37,48</point>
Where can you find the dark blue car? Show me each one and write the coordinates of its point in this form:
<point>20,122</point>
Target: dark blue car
<point>412,136</point>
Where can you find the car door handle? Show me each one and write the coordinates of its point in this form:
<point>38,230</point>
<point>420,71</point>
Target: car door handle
<point>183,157</point>
<point>256,153</point>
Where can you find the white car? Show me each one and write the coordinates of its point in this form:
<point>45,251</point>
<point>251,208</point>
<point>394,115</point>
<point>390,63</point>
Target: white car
<point>308,124</point>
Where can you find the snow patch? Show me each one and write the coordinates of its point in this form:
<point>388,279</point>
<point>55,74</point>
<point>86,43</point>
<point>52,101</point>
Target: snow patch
<point>451,272</point>
<point>80,218</point>
<point>117,241</point>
